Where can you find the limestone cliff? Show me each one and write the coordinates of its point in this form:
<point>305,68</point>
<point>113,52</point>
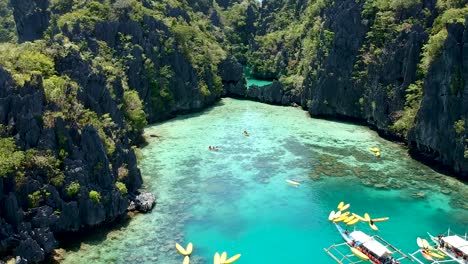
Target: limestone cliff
<point>397,66</point>
<point>74,101</point>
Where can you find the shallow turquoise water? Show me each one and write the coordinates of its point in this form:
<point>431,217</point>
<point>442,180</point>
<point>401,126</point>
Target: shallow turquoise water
<point>236,200</point>
<point>252,81</point>
<point>260,83</point>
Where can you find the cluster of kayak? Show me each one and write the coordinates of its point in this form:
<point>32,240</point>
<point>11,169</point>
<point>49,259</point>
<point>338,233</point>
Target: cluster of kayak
<point>376,151</point>
<point>365,247</point>
<point>352,218</point>
<point>446,249</point>
<point>450,248</point>
<point>218,258</point>
<point>429,252</point>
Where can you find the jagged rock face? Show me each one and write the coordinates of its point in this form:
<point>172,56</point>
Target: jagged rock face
<point>233,78</point>
<point>336,87</point>
<point>388,80</point>
<point>31,17</point>
<point>150,37</point>
<point>271,94</point>
<point>227,3</point>
<point>271,7</point>
<point>29,232</point>
<point>332,91</point>
<point>445,102</point>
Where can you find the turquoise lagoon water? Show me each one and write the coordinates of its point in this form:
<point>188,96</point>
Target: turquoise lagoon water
<point>259,83</point>
<point>237,200</point>
<point>252,81</point>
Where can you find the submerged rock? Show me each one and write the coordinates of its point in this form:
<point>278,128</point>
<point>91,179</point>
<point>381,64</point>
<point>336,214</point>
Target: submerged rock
<point>419,195</point>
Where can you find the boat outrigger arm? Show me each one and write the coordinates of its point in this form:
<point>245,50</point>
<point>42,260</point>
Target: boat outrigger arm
<point>340,257</point>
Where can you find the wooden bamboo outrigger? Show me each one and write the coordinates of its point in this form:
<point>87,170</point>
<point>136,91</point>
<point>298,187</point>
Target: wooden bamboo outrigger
<point>342,258</point>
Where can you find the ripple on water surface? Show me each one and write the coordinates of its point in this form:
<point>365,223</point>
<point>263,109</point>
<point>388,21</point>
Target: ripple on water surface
<point>236,199</point>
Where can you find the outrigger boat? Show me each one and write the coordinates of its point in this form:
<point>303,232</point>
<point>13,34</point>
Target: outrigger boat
<point>366,248</point>
<point>449,248</point>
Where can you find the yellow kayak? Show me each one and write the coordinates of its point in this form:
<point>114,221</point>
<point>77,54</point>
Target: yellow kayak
<point>440,252</point>
<point>349,219</point>
<point>186,260</point>
<point>337,214</point>
<point>359,217</point>
<point>426,255</point>
<point>295,183</point>
<point>382,219</point>
<point>359,254</point>
<point>419,242</point>
<point>435,255</point>
<point>223,257</point>
<point>216,259</point>
<point>426,244</point>
<point>340,205</point>
<point>331,215</point>
<point>355,221</point>
<point>180,249</point>
<point>232,259</point>
<point>366,217</point>
<point>189,249</point>
<point>342,217</point>
<point>374,149</point>
<point>373,226</point>
<point>345,207</point>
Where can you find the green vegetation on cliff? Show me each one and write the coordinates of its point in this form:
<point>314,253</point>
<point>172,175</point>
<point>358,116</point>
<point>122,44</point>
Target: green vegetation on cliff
<point>450,12</point>
<point>295,40</point>
<point>109,65</point>
<point>7,23</point>
<point>10,156</point>
<point>77,97</point>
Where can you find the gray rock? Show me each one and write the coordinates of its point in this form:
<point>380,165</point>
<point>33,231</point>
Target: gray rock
<point>132,206</point>
<point>31,17</point>
<point>145,202</point>
<point>273,93</point>
<point>45,238</point>
<point>444,103</point>
<point>69,219</point>
<point>96,157</point>
<point>13,214</point>
<point>41,217</point>
<point>92,213</point>
<point>20,260</point>
<point>29,249</point>
<point>230,70</point>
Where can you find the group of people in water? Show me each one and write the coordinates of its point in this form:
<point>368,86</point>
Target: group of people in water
<point>216,148</point>
<point>213,148</point>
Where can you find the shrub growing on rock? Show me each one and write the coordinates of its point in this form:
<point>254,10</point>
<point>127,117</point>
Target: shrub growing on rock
<point>95,196</point>
<point>10,157</point>
<point>121,187</point>
<point>134,110</point>
<point>73,189</point>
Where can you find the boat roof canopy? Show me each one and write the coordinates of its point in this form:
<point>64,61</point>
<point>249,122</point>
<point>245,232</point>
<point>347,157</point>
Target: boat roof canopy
<point>457,242</point>
<point>370,243</point>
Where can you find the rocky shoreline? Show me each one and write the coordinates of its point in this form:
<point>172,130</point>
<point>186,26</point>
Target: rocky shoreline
<point>76,156</point>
